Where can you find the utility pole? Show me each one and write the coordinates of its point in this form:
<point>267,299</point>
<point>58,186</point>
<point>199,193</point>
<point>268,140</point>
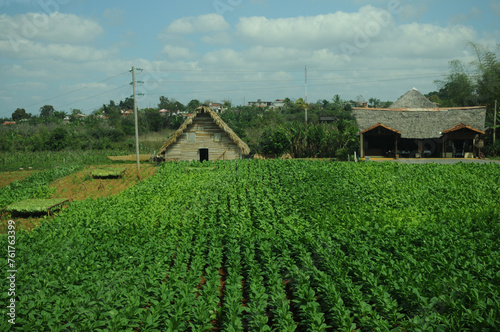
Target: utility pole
<point>495,123</point>
<point>305,73</point>
<point>136,125</point>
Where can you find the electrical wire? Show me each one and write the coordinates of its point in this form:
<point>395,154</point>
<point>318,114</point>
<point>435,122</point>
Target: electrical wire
<point>76,90</point>
<point>87,98</point>
<point>344,81</point>
<point>331,81</point>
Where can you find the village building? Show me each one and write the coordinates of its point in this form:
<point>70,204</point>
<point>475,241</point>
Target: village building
<point>126,112</point>
<point>260,103</point>
<point>414,127</point>
<point>278,103</point>
<point>216,107</point>
<point>203,136</point>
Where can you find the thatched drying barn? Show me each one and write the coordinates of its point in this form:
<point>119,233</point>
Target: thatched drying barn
<point>204,136</point>
<point>415,127</point>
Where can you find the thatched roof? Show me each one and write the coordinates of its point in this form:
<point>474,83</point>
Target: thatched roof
<point>419,123</point>
<point>217,120</point>
<point>413,99</point>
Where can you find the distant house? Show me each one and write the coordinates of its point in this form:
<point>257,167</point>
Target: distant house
<point>203,136</point>
<point>216,107</point>
<point>413,126</point>
<point>126,112</point>
<point>260,103</point>
<point>6,123</point>
<point>279,103</point>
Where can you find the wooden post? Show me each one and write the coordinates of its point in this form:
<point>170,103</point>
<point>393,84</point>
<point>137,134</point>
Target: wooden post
<point>361,147</point>
<point>396,155</point>
<point>495,123</point>
<point>420,148</point>
<point>136,128</point>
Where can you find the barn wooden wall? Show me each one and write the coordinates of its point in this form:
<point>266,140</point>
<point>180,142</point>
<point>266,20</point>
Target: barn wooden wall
<point>205,128</point>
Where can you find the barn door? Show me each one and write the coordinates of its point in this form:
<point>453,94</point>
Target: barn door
<point>203,154</point>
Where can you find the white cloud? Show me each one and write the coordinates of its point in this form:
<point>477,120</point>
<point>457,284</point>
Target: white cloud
<point>218,38</point>
<point>74,53</point>
<point>311,31</point>
<point>177,52</point>
<point>56,27</point>
<point>430,41</point>
<point>196,24</point>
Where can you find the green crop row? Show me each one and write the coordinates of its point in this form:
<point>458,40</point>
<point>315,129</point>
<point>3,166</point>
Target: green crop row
<point>35,186</point>
<point>271,245</point>
<point>40,160</point>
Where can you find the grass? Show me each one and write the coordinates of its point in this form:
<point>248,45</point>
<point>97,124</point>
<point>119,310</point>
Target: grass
<point>154,140</point>
<point>11,161</point>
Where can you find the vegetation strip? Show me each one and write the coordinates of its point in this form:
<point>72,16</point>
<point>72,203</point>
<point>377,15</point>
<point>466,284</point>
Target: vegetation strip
<point>271,245</point>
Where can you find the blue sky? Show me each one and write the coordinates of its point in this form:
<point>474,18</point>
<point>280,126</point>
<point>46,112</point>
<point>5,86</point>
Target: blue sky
<point>76,54</point>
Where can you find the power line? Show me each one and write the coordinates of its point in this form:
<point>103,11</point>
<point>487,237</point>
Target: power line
<point>344,81</point>
<point>330,82</point>
<point>76,90</point>
<point>287,80</point>
<point>90,97</point>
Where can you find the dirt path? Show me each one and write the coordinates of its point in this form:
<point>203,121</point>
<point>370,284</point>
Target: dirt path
<point>77,186</point>
<point>81,185</point>
<point>7,178</point>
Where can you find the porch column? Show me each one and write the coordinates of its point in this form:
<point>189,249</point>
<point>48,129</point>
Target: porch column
<point>361,147</point>
<point>396,139</point>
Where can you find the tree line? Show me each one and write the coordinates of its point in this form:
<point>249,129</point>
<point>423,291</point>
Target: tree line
<point>473,84</point>
<point>269,131</point>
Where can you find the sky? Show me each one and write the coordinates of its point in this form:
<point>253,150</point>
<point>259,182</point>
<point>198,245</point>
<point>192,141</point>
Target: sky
<point>78,54</point>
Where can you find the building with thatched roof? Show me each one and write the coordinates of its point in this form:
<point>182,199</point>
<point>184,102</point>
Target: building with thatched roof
<point>204,136</point>
<point>415,127</point>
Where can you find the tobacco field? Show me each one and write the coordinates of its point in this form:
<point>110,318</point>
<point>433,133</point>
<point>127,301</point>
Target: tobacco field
<point>270,245</point>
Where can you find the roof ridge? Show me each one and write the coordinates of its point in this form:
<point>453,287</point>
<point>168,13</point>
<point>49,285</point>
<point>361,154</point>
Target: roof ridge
<point>218,121</point>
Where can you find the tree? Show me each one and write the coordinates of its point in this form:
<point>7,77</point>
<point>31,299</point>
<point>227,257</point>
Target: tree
<point>178,106</point>
<point>488,70</point>
<point>166,104</point>
<point>458,88</point>
<point>337,102</point>
<point>20,114</point>
<point>58,139</point>
<point>360,100</point>
<point>193,104</point>
<point>374,102</point>
<point>47,111</point>
<point>288,103</point>
<point>127,104</point>
<point>227,104</point>
<point>153,119</point>
<point>299,105</point>
<point>111,110</point>
<point>59,115</point>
